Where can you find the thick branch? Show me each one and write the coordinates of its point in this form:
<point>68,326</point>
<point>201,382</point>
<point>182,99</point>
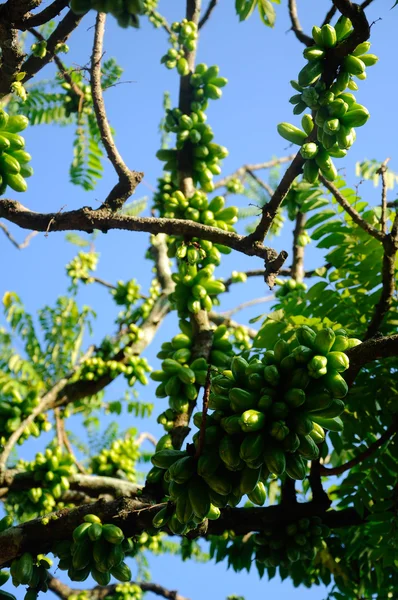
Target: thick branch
<point>63,591</point>
<point>46,15</point>
<point>330,14</point>
<point>15,9</point>
<point>388,434</point>
<point>369,351</point>
<point>354,214</point>
<point>87,219</point>
<point>296,27</point>
<point>128,180</point>
<point>134,517</point>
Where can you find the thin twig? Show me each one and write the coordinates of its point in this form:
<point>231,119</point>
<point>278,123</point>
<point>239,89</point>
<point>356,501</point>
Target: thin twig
<point>145,435</point>
<point>382,172</point>
<point>354,214</point>
<point>241,172</point>
<point>69,448</point>
<point>23,244</point>
<point>296,27</point>
<point>128,180</point>
<point>263,184</point>
<point>220,319</point>
<point>228,313</point>
<point>207,14</point>
<point>388,434</point>
<point>104,283</point>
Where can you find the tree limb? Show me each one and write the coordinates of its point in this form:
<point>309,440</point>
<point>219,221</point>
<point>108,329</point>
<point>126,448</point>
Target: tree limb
<point>128,180</point>
<point>43,17</point>
<point>99,592</point>
<point>134,517</point>
<point>330,14</point>
<point>369,351</point>
<point>87,219</point>
<point>219,319</point>
<point>297,270</point>
<point>296,27</point>
<point>388,434</point>
<point>228,313</point>
<point>19,246</point>
<point>354,214</point>
<point>382,172</point>
<point>260,182</point>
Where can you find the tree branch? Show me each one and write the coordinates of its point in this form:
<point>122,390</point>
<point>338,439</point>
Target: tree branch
<point>63,591</point>
<point>128,180</point>
<point>369,351</point>
<point>330,14</point>
<point>318,493</point>
<point>87,219</point>
<point>388,434</point>
<point>219,319</point>
<point>260,182</point>
<point>228,313</point>
<point>208,12</point>
<point>382,172</point>
<point>241,172</point>
<point>390,245</point>
<point>46,15</point>
<point>354,214</point>
<point>23,244</point>
<point>134,517</point>
<point>296,27</point>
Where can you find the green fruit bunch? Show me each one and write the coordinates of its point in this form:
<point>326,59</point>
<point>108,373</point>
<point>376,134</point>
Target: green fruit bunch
<point>52,471</point>
<point>183,39</point>
<point>80,267</point>
<point>294,542</point>
<point>287,286</point>
<point>32,572</point>
<point>153,15</point>
<point>125,591</point>
<point>126,12</point>
<point>126,294</point>
<point>39,49</point>
<point>83,595</point>
<point>181,376</point>
<point>6,523</point>
<point>134,368</point>
<point>75,103</point>
<point>119,460</point>
<point>97,549</point>
<point>14,167</point>
<point>240,338</point>
<point>235,186</point>
<point>335,112</point>
<point>14,410</point>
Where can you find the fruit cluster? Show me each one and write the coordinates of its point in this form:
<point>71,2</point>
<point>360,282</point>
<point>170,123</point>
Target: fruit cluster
<point>126,293</point>
<point>14,410</point>
<point>39,49</point>
<point>119,460</point>
<point>80,266</point>
<point>286,286</point>
<point>181,376</point>
<point>125,591</point>
<point>235,186</point>
<point>125,11</point>
<point>335,112</point>
<point>133,368</point>
<point>96,549</point>
<point>51,471</point>
<point>73,102</point>
<point>269,415</point>
<point>296,541</point>
<point>14,168</point>
<point>32,572</point>
<point>153,15</point>
<point>183,38</point>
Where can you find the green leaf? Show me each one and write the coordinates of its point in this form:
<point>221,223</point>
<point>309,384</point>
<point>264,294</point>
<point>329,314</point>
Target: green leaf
<point>268,334</point>
<point>244,8</point>
<point>267,12</point>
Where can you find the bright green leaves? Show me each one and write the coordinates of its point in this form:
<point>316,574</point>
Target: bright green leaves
<point>244,8</point>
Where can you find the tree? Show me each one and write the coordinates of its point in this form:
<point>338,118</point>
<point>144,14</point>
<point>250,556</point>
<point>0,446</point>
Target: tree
<point>279,446</point>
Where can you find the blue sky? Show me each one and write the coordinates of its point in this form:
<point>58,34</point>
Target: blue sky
<point>259,62</point>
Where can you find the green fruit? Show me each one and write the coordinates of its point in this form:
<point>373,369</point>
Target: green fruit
<point>329,36</point>
<point>238,368</point>
<point>95,531</point>
<point>335,409</point>
<point>295,466</point>
<point>115,556</point>
<point>317,434</point>
<point>308,447</point>
<point>342,27</point>
<point>294,397</point>
<point>184,511</point>
<point>335,383</point>
<point>121,572</point>
<point>324,340</point>
<point>112,534</point>
<point>214,513</point>
<point>229,453</point>
<point>219,483</point>
<point>340,343</point>
<point>369,59</point>
<point>258,495</point>
<point>301,423</point>
<point>4,577</point>
<point>101,578</point>
<point>154,475</point>
<point>8,164</point>
<point>161,518</point>
<point>355,118</point>
<point>81,531</point>
<point>249,479</point>
<point>311,171</point>
<point>182,470</point>
<point>241,400</point>
<point>231,424</point>
<point>332,424</point>
<point>307,123</point>
<point>81,554</point>
<point>354,65</point>
<point>338,361</point>
<point>271,375</point>
<point>291,442</point>
<point>309,74</point>
<point>24,569</point>
<point>317,366</point>
<point>314,53</point>
<point>275,460</point>
<point>199,497</point>
<point>291,133</point>
<point>4,144</point>
<point>309,150</point>
<point>252,447</point>
<point>17,123</point>
<point>165,458</point>
<point>207,464</point>
<point>318,400</point>
<point>252,420</point>
<point>17,142</point>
